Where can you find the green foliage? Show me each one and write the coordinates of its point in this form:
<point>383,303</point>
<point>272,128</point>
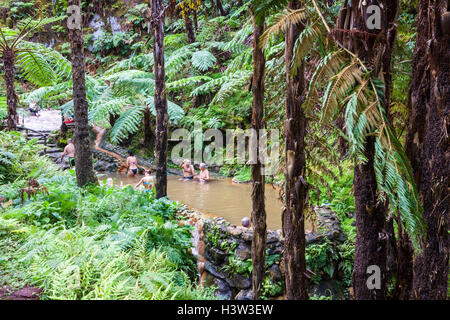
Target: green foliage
<point>19,159</point>
<point>94,243</point>
<point>328,261</point>
<point>271,288</point>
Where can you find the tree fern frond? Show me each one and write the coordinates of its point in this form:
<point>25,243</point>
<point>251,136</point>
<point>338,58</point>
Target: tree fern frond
<point>282,21</point>
<point>128,123</point>
<point>304,44</point>
<point>203,60</point>
<point>327,68</point>
<point>187,82</point>
<point>174,111</point>
<point>233,83</point>
<point>35,68</point>
<point>338,88</point>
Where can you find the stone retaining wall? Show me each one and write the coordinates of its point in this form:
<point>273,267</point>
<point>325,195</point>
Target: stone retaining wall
<point>224,253</point>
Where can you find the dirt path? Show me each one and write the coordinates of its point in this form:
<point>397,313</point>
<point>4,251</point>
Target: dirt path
<point>48,120</point>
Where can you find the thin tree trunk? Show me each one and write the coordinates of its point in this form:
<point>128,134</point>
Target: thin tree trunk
<point>162,118</point>
<point>9,59</point>
<point>83,157</point>
<point>428,146</point>
<point>189,29</point>
<point>258,205</point>
<point>295,185</point>
<point>370,249</point>
<point>371,245</point>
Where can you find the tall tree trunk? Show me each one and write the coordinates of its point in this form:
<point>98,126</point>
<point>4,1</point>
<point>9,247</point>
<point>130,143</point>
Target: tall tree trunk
<point>404,272</point>
<point>189,29</point>
<point>9,59</point>
<point>162,118</point>
<point>83,157</point>
<point>295,185</point>
<point>428,147</point>
<point>258,205</point>
<point>370,248</point>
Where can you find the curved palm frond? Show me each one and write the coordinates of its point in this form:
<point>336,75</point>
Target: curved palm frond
<point>282,21</point>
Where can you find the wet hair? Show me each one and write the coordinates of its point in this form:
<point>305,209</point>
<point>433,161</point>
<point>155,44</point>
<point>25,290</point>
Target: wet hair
<point>130,153</point>
<point>149,171</point>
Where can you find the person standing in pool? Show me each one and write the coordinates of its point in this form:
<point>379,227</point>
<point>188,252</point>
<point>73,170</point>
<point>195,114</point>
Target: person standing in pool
<point>69,150</point>
<point>204,174</point>
<point>147,181</point>
<point>188,169</point>
<point>132,164</point>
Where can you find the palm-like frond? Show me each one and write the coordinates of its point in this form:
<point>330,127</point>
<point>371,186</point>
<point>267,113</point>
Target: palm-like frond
<point>365,116</point>
<point>187,82</point>
<point>174,111</point>
<point>203,60</point>
<point>35,68</point>
<point>339,87</point>
<point>127,124</point>
<point>304,44</point>
<point>282,21</point>
<point>327,68</point>
<point>393,171</point>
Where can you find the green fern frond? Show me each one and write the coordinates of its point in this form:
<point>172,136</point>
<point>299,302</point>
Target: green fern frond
<point>282,21</point>
<point>203,60</point>
<point>128,123</point>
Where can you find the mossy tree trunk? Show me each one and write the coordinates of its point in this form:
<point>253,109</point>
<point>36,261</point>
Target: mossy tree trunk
<point>258,205</point>
<point>371,245</point>
<point>162,118</point>
<point>295,185</point>
<point>83,156</point>
<point>9,59</point>
<point>428,146</point>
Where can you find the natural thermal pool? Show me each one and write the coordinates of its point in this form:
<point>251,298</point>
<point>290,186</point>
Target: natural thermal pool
<point>219,197</point>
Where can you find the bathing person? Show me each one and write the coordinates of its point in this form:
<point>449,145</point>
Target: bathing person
<point>245,222</point>
<point>132,164</point>
<point>188,169</point>
<point>69,150</point>
<point>147,181</point>
<point>204,174</point>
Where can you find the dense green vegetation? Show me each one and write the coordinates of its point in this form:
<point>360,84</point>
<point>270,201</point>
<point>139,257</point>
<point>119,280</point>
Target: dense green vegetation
<point>349,102</point>
<point>95,243</point>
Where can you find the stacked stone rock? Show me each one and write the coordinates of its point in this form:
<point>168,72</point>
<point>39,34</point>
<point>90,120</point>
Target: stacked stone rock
<point>238,286</point>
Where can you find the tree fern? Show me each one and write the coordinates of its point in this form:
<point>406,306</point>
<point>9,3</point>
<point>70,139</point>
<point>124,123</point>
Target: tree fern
<point>203,60</point>
<point>128,123</point>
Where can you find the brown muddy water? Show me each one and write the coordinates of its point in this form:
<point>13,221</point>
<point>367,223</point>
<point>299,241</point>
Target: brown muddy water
<point>220,197</point>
